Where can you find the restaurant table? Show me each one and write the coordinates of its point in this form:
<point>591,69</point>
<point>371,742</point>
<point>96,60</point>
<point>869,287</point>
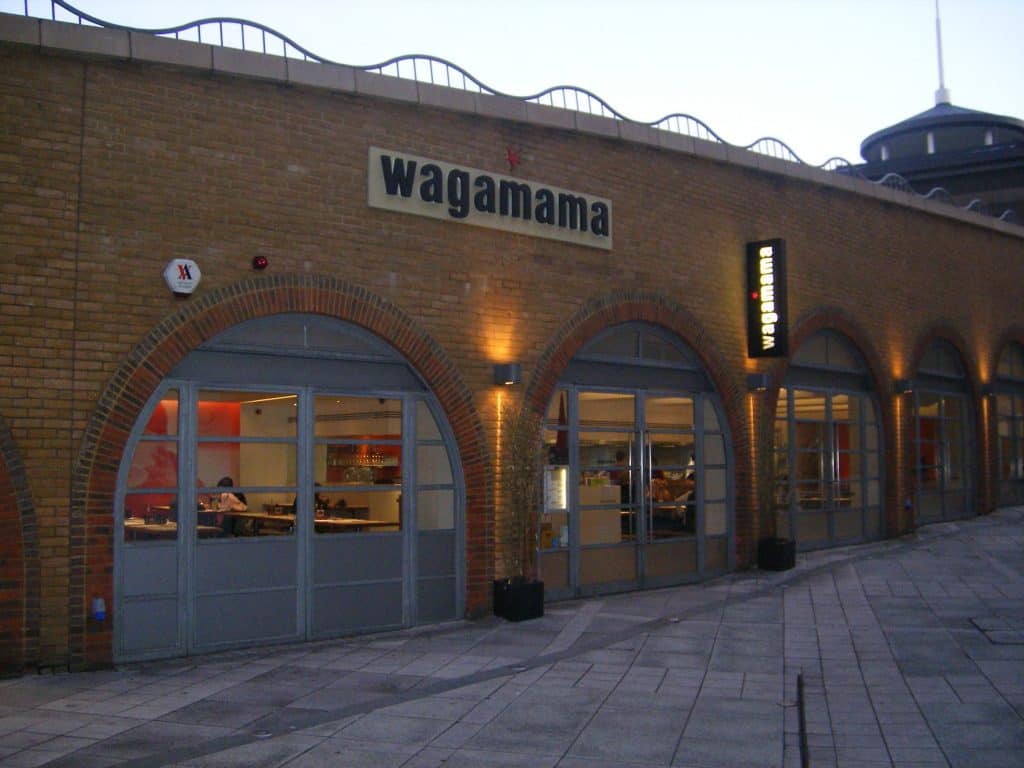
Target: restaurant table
<point>137,528</point>
<point>350,524</point>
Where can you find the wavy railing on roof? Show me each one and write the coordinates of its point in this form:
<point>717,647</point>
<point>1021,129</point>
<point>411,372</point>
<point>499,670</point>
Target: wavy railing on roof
<point>423,68</point>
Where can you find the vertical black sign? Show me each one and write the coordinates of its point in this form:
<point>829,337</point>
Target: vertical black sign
<point>767,314</point>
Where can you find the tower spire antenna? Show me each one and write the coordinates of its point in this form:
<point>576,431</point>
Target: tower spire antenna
<point>941,95</point>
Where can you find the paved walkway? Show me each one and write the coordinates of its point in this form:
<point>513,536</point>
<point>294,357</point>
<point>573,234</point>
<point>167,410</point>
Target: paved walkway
<point>911,653</point>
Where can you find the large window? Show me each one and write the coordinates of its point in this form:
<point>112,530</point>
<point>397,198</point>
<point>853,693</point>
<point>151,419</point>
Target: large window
<point>827,449</point>
<point>942,430</point>
<point>636,487</point>
<point>292,479</point>
<point>1010,417</point>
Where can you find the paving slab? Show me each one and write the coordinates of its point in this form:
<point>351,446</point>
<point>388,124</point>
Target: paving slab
<point>911,653</point>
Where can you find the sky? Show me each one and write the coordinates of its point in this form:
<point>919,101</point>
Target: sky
<point>820,75</point>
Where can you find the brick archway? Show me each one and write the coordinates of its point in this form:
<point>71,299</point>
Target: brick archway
<point>984,465</point>
<point>19,562</point>
<point>119,406</point>
<point>606,311</point>
<point>893,428</point>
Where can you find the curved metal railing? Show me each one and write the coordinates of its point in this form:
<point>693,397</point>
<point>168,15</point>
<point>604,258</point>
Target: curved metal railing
<point>424,68</point>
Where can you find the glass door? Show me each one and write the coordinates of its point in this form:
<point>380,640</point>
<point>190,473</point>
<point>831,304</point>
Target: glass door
<point>609,490</point>
<point>669,495</point>
<point>622,497</point>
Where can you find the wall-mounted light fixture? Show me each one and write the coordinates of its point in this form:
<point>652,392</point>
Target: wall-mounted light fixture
<point>758,382</point>
<point>902,386</point>
<point>988,390</point>
<point>507,373</point>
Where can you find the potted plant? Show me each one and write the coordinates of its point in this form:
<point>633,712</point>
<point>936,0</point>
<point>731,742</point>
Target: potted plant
<point>776,551</point>
<point>520,594</point>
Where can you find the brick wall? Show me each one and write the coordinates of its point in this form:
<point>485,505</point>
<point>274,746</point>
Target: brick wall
<point>108,169</point>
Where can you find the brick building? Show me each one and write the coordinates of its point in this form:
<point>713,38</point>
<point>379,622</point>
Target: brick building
<point>254,310</point>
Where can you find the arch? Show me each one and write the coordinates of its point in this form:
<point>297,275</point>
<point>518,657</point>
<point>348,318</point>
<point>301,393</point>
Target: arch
<point>952,337</point>
<point>19,561</point>
<point>979,489</point>
<point>119,406</point>
<point>1005,411</point>
<point>602,312</point>
<point>837,320</point>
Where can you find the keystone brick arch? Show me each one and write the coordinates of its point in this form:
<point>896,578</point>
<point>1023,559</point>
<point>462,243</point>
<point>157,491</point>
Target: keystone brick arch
<point>601,313</point>
<point>119,406</point>
<point>19,562</point>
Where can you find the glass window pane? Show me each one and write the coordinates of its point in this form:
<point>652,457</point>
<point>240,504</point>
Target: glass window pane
<point>672,450</point>
<point>850,466</point>
<point>164,419</point>
<point>605,450</point>
<point>558,411</point>
<point>952,407</point>
<point>841,407</point>
<point>810,436</point>
<point>672,412</point>
<point>358,417</point>
<point>150,517</point>
<point>246,414</point>
<point>365,464</point>
<point>711,422</point>
<point>714,484</point>
<point>872,464</point>
<point>601,526</point>
<point>432,466</point>
<point>621,342</point>
<point>654,347</point>
<point>871,437</point>
<point>1004,405</point>
<point>244,464</point>
<point>606,409</point>
<point>426,426</point>
<point>715,520</point>
<point>154,465</point>
<point>714,450</point>
<point>556,443</point>
<point>435,510</point>
<point>808,406</point>
<point>361,510</point>
<point>874,492</point>
<point>928,404</point>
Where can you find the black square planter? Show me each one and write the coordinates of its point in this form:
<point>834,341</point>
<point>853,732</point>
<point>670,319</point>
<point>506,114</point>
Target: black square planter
<point>518,600</point>
<point>776,554</point>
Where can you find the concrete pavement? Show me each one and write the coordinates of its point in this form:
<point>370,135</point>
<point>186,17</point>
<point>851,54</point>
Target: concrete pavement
<point>911,653</point>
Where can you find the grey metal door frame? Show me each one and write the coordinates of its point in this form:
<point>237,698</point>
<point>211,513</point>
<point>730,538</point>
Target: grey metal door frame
<point>642,502</point>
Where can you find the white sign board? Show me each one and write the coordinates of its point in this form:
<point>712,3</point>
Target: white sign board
<point>182,276</point>
<point>407,183</point>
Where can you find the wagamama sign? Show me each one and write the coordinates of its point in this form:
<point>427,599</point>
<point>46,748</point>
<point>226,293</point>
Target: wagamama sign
<point>767,313</point>
<point>410,184</point>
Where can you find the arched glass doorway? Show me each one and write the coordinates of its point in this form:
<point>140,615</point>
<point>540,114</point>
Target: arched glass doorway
<point>943,430</point>
<point>638,490</point>
<point>827,443</point>
<point>1010,412</point>
<point>291,479</point>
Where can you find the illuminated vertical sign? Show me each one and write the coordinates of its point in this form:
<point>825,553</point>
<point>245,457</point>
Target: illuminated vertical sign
<point>767,314</point>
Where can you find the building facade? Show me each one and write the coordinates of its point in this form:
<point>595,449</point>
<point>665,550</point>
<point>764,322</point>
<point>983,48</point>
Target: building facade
<point>253,308</point>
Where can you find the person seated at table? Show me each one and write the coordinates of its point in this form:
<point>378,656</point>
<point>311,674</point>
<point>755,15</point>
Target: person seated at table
<point>320,503</point>
<point>231,501</point>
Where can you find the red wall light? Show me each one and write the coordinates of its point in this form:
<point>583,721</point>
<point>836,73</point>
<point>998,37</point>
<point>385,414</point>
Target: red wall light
<point>259,262</point>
